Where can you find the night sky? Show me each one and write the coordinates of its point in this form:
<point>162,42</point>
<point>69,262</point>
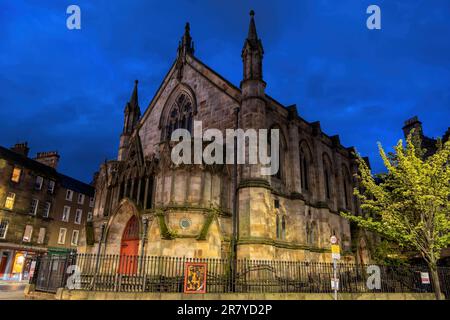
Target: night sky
<point>65,90</point>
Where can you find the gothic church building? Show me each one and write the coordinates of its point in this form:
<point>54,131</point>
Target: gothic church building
<point>145,204</point>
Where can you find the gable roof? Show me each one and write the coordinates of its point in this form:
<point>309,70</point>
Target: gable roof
<point>44,170</point>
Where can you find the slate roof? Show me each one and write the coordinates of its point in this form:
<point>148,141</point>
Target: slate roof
<point>46,171</point>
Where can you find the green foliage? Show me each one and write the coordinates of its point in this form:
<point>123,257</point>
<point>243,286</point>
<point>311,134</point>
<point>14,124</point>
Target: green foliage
<point>410,206</point>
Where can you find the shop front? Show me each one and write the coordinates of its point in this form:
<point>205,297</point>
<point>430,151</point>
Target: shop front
<point>16,264</point>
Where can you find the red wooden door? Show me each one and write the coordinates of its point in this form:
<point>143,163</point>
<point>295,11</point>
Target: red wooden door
<point>3,263</point>
<point>129,248</point>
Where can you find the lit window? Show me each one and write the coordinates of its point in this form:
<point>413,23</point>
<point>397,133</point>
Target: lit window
<point>3,228</point>
<point>16,175</point>
<point>48,205</point>
<point>69,195</point>
<point>41,236</point>
<point>34,206</point>
<point>62,235</point>
<point>27,234</point>
<point>80,198</point>
<point>51,186</point>
<point>78,215</point>
<point>66,214</point>
<point>75,235</point>
<point>38,183</point>
<point>91,202</point>
<point>10,198</point>
<point>89,216</point>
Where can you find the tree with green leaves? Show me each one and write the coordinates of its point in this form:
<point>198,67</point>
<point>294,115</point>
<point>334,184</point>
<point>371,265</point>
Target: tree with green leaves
<point>410,205</point>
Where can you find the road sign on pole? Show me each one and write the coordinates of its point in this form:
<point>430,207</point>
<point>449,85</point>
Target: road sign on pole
<point>333,240</point>
<point>335,252</point>
<point>335,255</point>
<point>425,277</point>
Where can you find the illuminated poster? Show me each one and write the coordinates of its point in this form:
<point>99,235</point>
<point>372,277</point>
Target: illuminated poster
<point>195,277</point>
<point>18,263</point>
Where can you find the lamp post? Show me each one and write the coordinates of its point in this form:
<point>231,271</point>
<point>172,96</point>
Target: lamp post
<point>97,262</point>
<point>144,240</point>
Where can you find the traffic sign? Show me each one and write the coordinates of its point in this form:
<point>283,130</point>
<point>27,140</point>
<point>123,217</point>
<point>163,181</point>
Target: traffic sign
<point>335,252</point>
<point>425,276</point>
<point>335,284</point>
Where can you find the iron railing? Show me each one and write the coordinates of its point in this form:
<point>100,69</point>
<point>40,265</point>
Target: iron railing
<point>166,274</point>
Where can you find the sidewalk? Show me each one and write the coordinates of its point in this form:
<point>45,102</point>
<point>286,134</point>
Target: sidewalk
<point>10,282</point>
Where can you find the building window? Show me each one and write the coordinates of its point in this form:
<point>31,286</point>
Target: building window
<point>311,233</point>
<point>78,215</point>
<point>305,160</point>
<point>34,206</point>
<point>74,240</point>
<point>66,214</point>
<point>91,202</point>
<point>38,183</point>
<point>180,116</point>
<point>281,227</point>
<point>69,195</point>
<point>48,205</point>
<point>16,175</point>
<point>51,186</point>
<point>27,234</point>
<point>3,228</point>
<point>10,198</point>
<point>327,184</point>
<point>62,236</point>
<point>89,216</point>
<point>80,198</point>
<point>41,236</point>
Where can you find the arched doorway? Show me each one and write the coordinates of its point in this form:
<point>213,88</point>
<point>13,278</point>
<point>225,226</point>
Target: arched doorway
<point>129,247</point>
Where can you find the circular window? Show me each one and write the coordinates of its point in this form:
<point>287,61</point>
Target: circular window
<point>185,223</point>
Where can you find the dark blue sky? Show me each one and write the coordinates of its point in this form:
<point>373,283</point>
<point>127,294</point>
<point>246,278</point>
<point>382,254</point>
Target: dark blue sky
<point>66,90</point>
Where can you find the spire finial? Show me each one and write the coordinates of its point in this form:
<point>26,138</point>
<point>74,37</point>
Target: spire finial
<point>186,45</point>
<point>252,35</point>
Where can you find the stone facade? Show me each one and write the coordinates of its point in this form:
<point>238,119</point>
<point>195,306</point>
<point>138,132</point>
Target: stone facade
<point>32,200</point>
<point>186,210</point>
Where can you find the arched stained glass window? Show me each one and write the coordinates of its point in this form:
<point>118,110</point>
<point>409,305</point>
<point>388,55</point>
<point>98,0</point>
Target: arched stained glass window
<point>180,116</point>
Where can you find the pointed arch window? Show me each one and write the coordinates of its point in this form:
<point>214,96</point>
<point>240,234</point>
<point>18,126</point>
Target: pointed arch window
<point>305,160</point>
<point>281,151</point>
<point>281,227</point>
<point>180,115</point>
<point>347,185</point>
<point>327,176</point>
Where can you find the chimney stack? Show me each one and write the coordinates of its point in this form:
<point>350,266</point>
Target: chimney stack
<point>411,124</point>
<point>50,158</point>
<point>21,148</point>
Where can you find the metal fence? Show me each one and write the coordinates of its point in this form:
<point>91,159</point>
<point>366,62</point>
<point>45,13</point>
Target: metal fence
<point>166,274</point>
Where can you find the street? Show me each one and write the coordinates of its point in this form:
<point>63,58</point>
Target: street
<point>12,290</point>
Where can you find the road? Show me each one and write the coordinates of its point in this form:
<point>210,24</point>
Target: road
<point>12,291</point>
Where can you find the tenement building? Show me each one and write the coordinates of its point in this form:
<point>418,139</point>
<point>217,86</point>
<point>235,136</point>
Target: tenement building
<point>41,210</point>
<point>146,204</point>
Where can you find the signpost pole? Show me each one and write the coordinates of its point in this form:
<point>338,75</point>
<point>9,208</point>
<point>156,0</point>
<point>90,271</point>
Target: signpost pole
<point>335,278</point>
<point>335,255</point>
